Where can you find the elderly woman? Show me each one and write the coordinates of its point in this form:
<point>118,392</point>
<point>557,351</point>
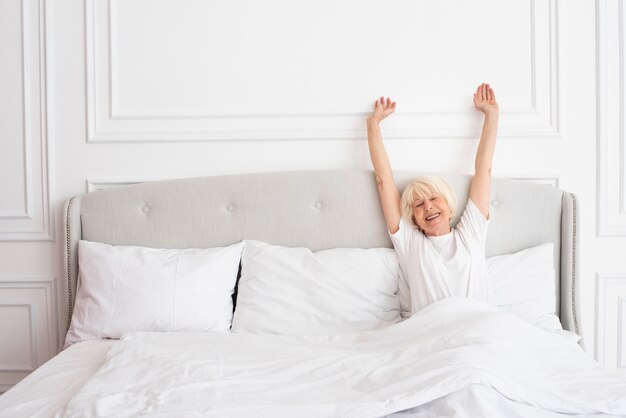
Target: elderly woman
<point>438,261</point>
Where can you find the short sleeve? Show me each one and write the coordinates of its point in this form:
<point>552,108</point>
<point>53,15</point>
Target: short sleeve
<point>473,225</point>
<point>402,238</point>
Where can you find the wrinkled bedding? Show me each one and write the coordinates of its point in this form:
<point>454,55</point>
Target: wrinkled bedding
<point>456,348</point>
<point>46,391</point>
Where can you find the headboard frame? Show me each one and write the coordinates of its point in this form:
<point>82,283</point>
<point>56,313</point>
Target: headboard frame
<point>314,209</point>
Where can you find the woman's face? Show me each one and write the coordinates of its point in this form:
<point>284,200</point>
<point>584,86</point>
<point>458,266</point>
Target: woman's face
<point>432,215</point>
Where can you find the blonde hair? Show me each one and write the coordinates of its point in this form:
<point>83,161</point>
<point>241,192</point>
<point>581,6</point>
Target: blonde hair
<point>422,187</point>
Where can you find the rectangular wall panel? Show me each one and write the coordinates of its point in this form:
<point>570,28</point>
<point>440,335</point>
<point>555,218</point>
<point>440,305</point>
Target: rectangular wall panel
<point>207,70</point>
<point>28,326</point>
<point>610,318</point>
<point>17,353</point>
<point>25,209</point>
<point>611,218</point>
<point>13,170</point>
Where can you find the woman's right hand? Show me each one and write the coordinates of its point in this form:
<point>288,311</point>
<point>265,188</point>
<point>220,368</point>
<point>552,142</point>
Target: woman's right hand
<point>382,109</point>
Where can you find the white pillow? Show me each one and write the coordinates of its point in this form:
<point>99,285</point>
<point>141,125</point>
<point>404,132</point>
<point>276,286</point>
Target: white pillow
<point>124,288</point>
<point>524,284</point>
<point>294,291</point>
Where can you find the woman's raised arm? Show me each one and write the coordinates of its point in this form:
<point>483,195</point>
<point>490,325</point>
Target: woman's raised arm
<point>480,189</point>
<point>387,190</point>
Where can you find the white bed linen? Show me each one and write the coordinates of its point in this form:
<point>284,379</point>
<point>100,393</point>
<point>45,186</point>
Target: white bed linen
<point>446,348</point>
<point>295,291</point>
<point>481,401</point>
<point>129,288</point>
<point>46,391</point>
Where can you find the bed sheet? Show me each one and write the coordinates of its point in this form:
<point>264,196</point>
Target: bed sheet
<point>429,361</point>
<point>478,401</point>
<point>46,391</point>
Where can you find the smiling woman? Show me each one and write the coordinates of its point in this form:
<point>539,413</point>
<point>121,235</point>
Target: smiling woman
<point>428,204</point>
<point>438,261</point>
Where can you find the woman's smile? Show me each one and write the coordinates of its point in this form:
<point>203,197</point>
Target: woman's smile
<point>432,217</point>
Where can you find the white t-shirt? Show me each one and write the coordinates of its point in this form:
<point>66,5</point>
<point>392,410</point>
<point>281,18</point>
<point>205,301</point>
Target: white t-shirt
<point>439,267</point>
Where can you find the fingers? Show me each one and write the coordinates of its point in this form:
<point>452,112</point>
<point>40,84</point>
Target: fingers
<point>488,92</point>
<point>485,92</point>
<point>384,105</point>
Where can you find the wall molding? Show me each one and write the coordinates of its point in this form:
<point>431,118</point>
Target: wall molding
<point>610,321</point>
<point>545,178</point>
<point>35,223</point>
<point>49,304</point>
<point>621,330</point>
<point>107,124</point>
<point>39,295</point>
<point>104,184</point>
<point>91,185</point>
<point>611,171</point>
<point>31,304</point>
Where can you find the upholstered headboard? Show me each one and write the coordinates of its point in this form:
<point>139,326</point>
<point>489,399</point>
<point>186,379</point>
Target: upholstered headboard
<point>314,209</point>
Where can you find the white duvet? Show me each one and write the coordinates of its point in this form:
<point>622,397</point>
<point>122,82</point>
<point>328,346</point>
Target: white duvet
<point>451,346</point>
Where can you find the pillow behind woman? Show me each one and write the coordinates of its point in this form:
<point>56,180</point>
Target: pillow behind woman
<point>294,291</point>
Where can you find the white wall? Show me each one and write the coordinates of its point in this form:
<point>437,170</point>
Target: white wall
<point>105,92</point>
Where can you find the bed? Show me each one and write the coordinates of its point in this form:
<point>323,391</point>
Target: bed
<point>423,366</point>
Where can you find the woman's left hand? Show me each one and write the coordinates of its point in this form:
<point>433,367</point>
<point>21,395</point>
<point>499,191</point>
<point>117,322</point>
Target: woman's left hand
<point>485,99</point>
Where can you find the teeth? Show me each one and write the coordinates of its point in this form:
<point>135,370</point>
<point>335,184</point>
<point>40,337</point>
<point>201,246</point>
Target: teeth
<point>433,217</point>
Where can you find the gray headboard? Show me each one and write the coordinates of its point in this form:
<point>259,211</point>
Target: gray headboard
<point>314,209</point>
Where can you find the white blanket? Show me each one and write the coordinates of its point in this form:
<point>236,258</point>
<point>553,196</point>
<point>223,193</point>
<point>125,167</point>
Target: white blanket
<point>446,347</point>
